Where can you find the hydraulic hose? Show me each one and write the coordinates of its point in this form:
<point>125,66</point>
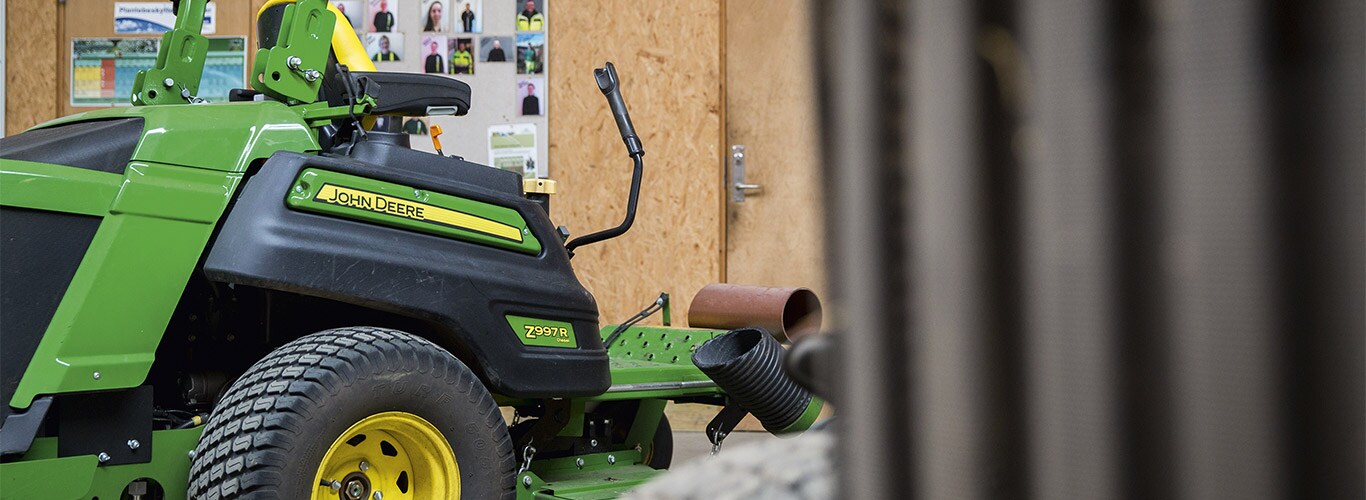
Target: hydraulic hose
<point>747,364</point>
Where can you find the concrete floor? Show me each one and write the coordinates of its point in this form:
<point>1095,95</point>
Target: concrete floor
<point>694,445</point>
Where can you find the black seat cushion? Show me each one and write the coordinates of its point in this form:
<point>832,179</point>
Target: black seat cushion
<point>414,94</point>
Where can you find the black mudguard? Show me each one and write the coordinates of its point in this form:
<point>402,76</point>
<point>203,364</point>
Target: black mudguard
<point>464,288</point>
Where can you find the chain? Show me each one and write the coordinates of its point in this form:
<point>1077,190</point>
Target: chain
<point>527,452</point>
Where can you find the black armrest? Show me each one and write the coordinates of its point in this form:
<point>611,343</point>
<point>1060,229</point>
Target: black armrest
<point>415,94</point>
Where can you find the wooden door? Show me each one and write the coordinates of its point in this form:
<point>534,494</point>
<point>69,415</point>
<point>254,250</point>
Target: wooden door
<point>775,237</point>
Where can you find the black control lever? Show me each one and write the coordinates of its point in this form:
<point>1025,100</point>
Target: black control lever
<point>609,84</point>
<point>610,87</point>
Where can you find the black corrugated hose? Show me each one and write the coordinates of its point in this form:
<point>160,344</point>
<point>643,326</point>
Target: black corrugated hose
<point>747,364</point>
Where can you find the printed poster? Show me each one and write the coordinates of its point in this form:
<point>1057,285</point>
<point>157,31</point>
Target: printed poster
<point>103,69</point>
<point>155,18</point>
<point>513,148</point>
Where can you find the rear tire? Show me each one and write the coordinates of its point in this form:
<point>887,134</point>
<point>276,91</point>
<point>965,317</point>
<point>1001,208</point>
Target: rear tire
<point>269,435</point>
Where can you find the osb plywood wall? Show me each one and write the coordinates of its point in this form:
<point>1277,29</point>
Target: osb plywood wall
<point>668,54</point>
<point>31,63</point>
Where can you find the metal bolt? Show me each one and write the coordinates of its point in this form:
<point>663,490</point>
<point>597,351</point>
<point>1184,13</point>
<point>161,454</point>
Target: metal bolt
<point>578,462</point>
<point>191,454</point>
<point>336,485</point>
<point>104,457</point>
<point>293,62</point>
<point>364,466</point>
<point>312,75</point>
<point>168,83</point>
<point>378,496</point>
<point>526,481</point>
<point>354,489</point>
<point>611,459</point>
<point>96,375</point>
<point>133,444</point>
<point>593,443</point>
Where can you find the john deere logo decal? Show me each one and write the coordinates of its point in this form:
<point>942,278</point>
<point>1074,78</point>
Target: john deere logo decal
<point>378,203</point>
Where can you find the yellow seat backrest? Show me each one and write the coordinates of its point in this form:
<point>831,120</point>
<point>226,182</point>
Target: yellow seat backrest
<point>345,44</point>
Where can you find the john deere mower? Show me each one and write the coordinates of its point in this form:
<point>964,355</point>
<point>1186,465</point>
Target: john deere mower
<point>276,297</point>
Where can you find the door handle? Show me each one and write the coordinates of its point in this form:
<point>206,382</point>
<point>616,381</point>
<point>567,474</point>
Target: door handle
<point>738,187</point>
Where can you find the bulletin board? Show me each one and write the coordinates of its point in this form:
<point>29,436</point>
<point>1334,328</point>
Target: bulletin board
<point>102,47</point>
<point>507,125</point>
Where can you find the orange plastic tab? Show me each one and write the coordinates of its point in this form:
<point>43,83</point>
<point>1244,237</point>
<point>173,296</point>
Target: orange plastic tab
<point>435,131</point>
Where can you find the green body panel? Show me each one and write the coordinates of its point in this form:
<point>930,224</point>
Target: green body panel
<point>656,362</point>
<point>180,60</point>
<point>157,220</point>
<point>45,186</point>
<point>419,210</point>
<point>652,362</point>
<point>226,136</point>
<point>118,304</point>
<point>543,332</point>
<point>642,431</point>
<point>41,474</point>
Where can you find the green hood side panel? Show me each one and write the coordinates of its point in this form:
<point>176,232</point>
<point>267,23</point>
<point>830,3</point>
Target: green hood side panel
<point>227,136</point>
<point>157,219</point>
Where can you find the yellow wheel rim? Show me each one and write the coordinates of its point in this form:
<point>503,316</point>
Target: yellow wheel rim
<point>400,455</point>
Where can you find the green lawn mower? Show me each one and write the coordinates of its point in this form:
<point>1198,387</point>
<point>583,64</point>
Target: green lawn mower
<point>276,297</point>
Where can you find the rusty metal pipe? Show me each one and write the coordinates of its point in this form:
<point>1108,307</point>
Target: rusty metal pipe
<point>786,313</point>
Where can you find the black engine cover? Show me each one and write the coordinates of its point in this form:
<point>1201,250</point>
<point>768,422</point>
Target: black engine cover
<point>463,287</point>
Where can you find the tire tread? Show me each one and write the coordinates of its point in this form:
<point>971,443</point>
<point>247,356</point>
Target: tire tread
<point>252,431</point>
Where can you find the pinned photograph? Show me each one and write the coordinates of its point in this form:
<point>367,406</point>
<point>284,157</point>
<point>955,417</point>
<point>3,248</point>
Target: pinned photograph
<point>415,126</point>
<point>512,147</point>
<point>384,47</point>
<point>462,56</point>
<point>433,47</point>
<point>495,48</point>
<point>531,96</point>
<point>468,16</point>
<point>353,11</point>
<point>382,16</point>
<point>531,15</point>
<point>530,53</point>
<point>434,18</point>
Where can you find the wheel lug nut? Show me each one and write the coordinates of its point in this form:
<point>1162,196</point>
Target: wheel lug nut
<point>364,466</point>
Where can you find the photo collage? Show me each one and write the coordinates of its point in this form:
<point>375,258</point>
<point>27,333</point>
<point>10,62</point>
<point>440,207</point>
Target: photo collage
<point>500,54</point>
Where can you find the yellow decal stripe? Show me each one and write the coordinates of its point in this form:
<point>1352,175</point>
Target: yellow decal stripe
<point>378,203</point>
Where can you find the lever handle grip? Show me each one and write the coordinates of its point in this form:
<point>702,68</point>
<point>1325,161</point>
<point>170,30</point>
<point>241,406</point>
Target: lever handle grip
<point>610,86</point>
